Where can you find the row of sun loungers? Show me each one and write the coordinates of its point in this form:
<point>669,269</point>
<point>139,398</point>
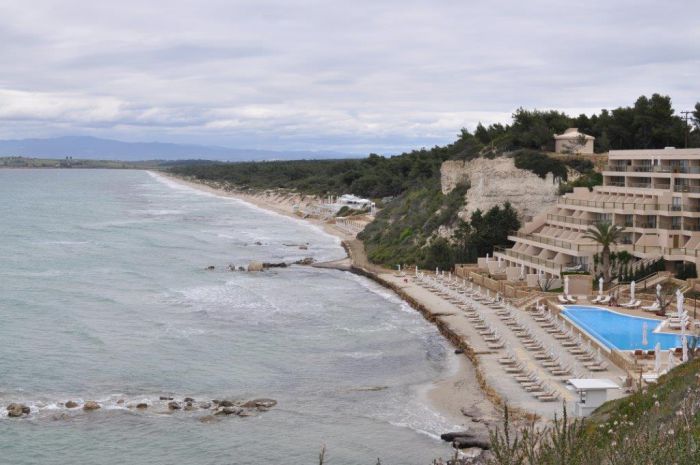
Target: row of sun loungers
<point>464,298</point>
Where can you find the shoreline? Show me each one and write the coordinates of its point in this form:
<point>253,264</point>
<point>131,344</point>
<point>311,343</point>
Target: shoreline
<point>463,388</point>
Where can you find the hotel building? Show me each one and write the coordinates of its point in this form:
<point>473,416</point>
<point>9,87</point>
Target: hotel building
<point>654,194</point>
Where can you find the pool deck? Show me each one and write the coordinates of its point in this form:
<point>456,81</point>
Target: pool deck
<point>505,385</point>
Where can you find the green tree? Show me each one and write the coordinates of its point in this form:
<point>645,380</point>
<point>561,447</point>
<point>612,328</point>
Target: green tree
<point>606,235</point>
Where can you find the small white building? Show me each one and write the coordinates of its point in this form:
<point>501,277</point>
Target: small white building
<point>573,142</point>
<point>592,393</point>
<point>354,201</point>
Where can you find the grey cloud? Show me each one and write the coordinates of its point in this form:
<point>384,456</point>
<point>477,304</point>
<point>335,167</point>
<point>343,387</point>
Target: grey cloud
<point>310,74</point>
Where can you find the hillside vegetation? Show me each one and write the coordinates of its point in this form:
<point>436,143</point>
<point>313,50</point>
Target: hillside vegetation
<point>417,222</point>
<point>655,426</point>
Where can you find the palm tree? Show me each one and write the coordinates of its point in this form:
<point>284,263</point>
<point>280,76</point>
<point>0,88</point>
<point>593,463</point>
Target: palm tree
<point>606,235</point>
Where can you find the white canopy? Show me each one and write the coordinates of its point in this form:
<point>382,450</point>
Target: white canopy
<point>590,384</point>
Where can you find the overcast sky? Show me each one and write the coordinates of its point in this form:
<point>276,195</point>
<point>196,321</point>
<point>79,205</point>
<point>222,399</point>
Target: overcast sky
<point>353,76</point>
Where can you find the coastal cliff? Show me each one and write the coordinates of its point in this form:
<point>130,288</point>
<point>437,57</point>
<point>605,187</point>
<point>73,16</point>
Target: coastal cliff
<point>496,181</point>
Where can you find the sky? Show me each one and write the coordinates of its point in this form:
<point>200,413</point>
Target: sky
<point>352,76</point>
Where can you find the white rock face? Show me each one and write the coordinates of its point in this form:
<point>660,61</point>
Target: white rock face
<point>494,182</point>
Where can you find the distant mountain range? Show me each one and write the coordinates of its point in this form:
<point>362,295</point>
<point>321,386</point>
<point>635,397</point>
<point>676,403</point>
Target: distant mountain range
<point>93,148</point>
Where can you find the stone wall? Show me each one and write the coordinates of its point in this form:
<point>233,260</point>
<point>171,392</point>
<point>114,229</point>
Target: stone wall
<point>495,181</point>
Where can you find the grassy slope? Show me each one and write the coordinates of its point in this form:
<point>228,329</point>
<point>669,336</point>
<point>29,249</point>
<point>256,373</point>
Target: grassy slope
<point>658,425</point>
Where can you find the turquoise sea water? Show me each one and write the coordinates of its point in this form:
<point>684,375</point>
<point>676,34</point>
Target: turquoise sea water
<point>104,295</point>
<point>618,331</point>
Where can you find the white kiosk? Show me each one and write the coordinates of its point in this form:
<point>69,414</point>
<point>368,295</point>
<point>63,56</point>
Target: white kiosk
<point>592,393</point>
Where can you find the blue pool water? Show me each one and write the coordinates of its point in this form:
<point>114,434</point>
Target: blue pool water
<point>618,331</point>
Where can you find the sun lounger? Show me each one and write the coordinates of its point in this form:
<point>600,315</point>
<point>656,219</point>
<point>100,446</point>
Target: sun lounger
<point>655,307</point>
<point>631,304</point>
<point>562,299</point>
<point>549,397</point>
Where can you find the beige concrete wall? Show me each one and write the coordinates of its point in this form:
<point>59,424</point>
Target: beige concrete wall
<point>580,284</point>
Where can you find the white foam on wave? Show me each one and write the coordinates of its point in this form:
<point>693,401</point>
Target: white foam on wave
<point>182,187</point>
<point>382,292</point>
<point>162,212</point>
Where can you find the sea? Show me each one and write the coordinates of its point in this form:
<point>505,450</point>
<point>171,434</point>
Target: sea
<point>106,294</point>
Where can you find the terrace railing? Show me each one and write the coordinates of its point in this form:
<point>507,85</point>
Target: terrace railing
<point>693,208</point>
<point>562,244</point>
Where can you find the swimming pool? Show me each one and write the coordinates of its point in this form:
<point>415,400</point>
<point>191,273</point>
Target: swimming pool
<point>619,331</point>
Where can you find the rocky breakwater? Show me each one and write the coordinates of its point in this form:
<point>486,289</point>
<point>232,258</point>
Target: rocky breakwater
<point>211,409</point>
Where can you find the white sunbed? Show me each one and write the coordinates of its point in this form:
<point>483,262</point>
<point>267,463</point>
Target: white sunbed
<point>563,299</point>
<point>632,304</point>
<point>597,299</point>
<point>655,307</point>
<point>605,299</point>
<point>571,299</point>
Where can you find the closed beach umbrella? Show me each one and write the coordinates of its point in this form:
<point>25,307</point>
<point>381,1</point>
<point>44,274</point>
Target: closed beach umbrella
<point>599,356</point>
<point>657,359</point>
<point>644,334</point>
<point>600,286</point>
<point>684,344</point>
<point>658,291</point>
<point>671,359</point>
<point>522,271</point>
<point>566,285</point>
<point>416,270</point>
<point>632,286</point>
<point>679,302</point>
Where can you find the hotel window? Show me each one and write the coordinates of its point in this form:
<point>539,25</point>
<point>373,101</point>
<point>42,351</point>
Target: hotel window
<point>676,204</point>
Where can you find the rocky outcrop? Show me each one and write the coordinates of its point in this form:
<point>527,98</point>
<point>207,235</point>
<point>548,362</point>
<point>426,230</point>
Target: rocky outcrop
<point>91,405</point>
<point>255,266</point>
<point>496,181</point>
<point>17,410</point>
<point>71,404</point>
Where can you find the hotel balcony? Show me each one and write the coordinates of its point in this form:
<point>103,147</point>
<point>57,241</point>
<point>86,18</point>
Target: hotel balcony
<point>624,168</point>
<point>687,188</point>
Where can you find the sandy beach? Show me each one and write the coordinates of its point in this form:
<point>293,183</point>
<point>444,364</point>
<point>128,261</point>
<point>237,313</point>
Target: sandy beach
<point>459,391</point>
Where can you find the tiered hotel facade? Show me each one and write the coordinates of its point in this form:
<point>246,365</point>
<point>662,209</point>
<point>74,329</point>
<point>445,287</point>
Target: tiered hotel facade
<point>654,194</point>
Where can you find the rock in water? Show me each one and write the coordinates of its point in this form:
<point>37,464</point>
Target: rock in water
<point>204,405</point>
<point>17,410</point>
<point>172,405</point>
<point>188,399</point>
<point>71,404</point>
<point>142,406</point>
<point>91,405</point>
<point>449,437</point>
<point>230,411</point>
<point>255,266</point>
<point>262,404</point>
<point>165,398</point>
<point>464,443</point>
<point>225,403</point>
